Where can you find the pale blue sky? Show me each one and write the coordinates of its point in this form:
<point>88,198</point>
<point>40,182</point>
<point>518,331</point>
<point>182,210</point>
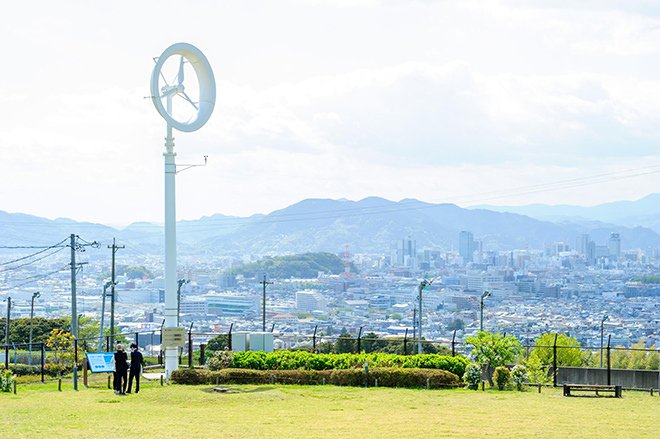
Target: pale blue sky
<point>444,101</point>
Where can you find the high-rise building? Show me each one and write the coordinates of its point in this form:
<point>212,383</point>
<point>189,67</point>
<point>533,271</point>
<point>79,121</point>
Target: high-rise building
<point>406,252</point>
<point>615,245</point>
<point>466,246</point>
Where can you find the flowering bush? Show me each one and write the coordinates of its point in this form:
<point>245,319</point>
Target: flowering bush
<point>472,376</point>
<point>519,376</point>
<point>6,381</point>
<point>502,376</point>
<point>220,360</point>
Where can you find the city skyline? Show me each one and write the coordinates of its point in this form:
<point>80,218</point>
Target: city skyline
<point>463,102</point>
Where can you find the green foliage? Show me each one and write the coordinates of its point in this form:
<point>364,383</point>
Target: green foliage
<point>649,279</point>
<point>6,380</point>
<point>218,343</point>
<point>493,349</point>
<point>303,266</point>
<point>371,343</point>
<point>472,376</point>
<point>220,360</point>
<point>139,272</point>
<point>61,360</point>
<point>386,377</point>
<point>305,315</point>
<point>519,376</point>
<point>24,369</point>
<point>345,344</point>
<point>19,329</point>
<point>290,360</point>
<point>536,372</point>
<point>638,357</point>
<point>396,316</point>
<point>502,376</point>
<point>456,324</point>
<point>568,351</point>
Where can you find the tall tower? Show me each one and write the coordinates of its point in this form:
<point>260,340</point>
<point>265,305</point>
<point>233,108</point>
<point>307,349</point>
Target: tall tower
<point>347,262</point>
<point>615,245</point>
<point>466,246</point>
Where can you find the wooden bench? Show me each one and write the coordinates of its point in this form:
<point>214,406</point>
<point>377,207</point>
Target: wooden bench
<point>568,388</point>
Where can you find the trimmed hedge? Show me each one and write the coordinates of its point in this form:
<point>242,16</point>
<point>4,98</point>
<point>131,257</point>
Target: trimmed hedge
<point>386,376</point>
<point>290,360</point>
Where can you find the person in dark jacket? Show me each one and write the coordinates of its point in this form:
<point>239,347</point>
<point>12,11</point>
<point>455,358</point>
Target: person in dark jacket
<point>136,368</point>
<point>121,370</point>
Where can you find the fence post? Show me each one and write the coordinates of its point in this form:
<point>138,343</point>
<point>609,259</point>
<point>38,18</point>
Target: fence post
<point>314,339</point>
<point>85,371</point>
<point>453,344</point>
<point>359,349</point>
<point>43,360</point>
<point>554,362</point>
<point>137,338</point>
<point>229,336</point>
<point>202,354</point>
<point>405,343</point>
<point>107,343</point>
<point>190,348</point>
<point>609,369</point>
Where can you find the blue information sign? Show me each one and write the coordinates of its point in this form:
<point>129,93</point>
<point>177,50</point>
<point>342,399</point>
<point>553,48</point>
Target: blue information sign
<point>100,362</point>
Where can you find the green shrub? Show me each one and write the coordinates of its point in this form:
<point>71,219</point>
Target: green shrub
<point>519,376</point>
<point>6,380</point>
<point>386,377</point>
<point>190,376</point>
<point>502,376</point>
<point>220,360</point>
<point>290,360</point>
<point>472,376</point>
<point>24,369</point>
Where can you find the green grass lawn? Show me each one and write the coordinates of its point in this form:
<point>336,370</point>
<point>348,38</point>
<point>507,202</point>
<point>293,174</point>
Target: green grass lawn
<point>40,411</point>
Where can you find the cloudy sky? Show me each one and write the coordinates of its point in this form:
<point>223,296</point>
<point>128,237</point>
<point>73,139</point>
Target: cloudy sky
<point>469,102</point>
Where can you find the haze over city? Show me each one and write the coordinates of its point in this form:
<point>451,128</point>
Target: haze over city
<point>463,102</point>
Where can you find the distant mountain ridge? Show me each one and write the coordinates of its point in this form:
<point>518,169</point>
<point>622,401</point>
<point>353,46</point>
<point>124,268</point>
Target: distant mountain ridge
<point>644,212</point>
<point>371,225</point>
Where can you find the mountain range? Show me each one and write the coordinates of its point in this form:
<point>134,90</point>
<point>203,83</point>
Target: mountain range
<point>371,225</point>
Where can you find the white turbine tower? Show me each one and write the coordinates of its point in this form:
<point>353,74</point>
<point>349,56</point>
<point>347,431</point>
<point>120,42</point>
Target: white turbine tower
<point>183,115</point>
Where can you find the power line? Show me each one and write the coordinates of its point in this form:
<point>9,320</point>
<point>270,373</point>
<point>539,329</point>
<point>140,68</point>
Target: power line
<point>32,262</point>
<point>34,279</point>
<point>32,255</point>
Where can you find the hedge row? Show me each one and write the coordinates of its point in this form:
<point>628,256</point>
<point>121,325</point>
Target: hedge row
<point>385,377</point>
<point>290,360</point>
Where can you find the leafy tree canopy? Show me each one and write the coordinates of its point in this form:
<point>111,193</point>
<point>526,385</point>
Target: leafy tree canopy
<point>568,351</point>
<point>139,272</point>
<point>493,349</point>
<point>303,266</point>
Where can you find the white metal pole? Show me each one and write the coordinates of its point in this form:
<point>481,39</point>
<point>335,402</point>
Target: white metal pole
<point>171,362</point>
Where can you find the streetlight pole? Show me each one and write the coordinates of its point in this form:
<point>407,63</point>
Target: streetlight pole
<point>34,296</point>
<point>602,326</point>
<point>105,287</point>
<point>481,322</point>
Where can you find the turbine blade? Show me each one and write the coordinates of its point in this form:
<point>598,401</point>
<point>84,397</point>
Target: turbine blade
<point>185,96</point>
<point>180,75</point>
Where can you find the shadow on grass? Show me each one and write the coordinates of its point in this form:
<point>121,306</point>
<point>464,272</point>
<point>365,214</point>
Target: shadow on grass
<point>221,389</point>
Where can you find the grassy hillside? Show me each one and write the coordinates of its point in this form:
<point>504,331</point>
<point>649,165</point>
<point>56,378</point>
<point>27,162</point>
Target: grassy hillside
<point>39,411</point>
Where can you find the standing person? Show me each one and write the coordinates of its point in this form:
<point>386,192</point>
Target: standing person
<point>121,370</point>
<point>136,368</point>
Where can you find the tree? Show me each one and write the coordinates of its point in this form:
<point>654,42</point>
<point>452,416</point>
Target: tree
<point>371,343</point>
<point>218,343</point>
<point>493,350</point>
<point>638,358</point>
<point>62,357</point>
<point>456,325</point>
<point>19,329</point>
<point>568,351</point>
<point>396,316</point>
<point>619,358</point>
<point>345,343</point>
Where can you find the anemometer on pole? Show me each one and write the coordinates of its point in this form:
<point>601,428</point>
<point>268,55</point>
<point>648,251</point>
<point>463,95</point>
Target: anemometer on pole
<point>174,103</point>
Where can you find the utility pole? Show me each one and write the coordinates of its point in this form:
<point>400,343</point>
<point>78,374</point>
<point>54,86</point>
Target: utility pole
<point>263,304</point>
<point>74,311</point>
<point>7,322</point>
<point>114,248</point>
<point>34,296</point>
<point>481,320</point>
